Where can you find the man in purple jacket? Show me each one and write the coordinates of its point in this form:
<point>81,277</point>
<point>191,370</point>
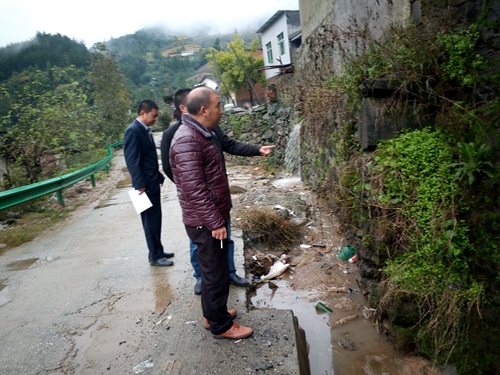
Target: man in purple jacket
<point>225,144</point>
<point>199,173</point>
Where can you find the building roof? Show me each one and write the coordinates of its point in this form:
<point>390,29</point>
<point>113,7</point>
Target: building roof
<point>293,18</point>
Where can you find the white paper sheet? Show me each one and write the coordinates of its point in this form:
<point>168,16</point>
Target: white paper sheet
<point>141,202</point>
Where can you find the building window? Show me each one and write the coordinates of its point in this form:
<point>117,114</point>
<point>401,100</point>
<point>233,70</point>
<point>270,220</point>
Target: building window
<point>281,44</point>
<point>269,50</point>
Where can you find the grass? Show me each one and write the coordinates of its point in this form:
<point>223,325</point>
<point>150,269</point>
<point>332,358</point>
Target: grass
<point>31,225</point>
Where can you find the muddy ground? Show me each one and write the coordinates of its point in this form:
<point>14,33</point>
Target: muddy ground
<point>343,342</point>
<point>345,347</point>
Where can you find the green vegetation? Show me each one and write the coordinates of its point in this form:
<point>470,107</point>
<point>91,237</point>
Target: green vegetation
<point>238,65</point>
<point>426,201</point>
<point>35,217</point>
<point>111,98</point>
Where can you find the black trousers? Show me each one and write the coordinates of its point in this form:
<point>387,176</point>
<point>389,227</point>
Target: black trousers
<point>151,222</point>
<point>214,267</point>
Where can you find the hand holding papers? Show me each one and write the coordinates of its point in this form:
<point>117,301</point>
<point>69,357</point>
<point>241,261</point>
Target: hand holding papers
<point>141,202</point>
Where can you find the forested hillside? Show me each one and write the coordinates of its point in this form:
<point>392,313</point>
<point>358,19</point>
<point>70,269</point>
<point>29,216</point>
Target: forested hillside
<point>44,51</point>
<point>153,64</point>
<point>60,102</point>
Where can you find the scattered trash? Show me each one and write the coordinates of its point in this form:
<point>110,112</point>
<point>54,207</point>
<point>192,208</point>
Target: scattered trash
<point>143,366</point>
<point>123,342</point>
<point>346,304</point>
<point>341,289</point>
<point>321,307</point>
<point>346,252</point>
<point>319,245</point>
<point>269,343</point>
<point>340,265</point>
<point>296,298</point>
<point>191,322</point>
<point>351,290</point>
<point>344,320</point>
<point>276,270</point>
<point>347,344</point>
<point>454,287</point>
<point>304,246</point>
<point>352,259</point>
<point>256,169</point>
<point>237,341</point>
<point>254,257</point>
<point>167,319</point>
<point>369,313</point>
<point>138,321</point>
<point>359,285</point>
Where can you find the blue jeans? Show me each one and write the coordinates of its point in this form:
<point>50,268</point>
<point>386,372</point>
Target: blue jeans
<point>193,250</point>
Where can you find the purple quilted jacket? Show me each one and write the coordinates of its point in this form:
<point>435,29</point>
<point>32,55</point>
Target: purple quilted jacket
<point>200,176</point>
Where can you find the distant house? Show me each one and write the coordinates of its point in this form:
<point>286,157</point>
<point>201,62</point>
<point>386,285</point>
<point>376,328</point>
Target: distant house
<point>208,81</point>
<point>280,36</point>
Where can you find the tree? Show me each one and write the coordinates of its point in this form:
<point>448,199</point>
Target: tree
<point>111,98</point>
<point>238,65</point>
<point>44,125</point>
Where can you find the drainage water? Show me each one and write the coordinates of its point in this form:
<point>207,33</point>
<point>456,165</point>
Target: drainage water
<point>292,152</point>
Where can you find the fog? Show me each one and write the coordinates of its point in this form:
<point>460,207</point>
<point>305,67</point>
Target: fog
<point>94,21</point>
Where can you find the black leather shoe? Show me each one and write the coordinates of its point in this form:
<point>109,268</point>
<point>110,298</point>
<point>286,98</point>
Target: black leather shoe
<point>162,262</point>
<point>168,255</point>
<point>197,287</point>
<point>238,281</point>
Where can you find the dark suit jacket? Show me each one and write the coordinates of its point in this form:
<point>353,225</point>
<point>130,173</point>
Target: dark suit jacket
<point>142,159</point>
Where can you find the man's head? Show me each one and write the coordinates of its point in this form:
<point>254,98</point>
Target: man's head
<point>203,104</point>
<point>180,99</point>
<point>147,112</point>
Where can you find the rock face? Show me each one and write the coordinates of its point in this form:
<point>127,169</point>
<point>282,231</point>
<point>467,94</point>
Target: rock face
<point>344,28</point>
<point>263,125</point>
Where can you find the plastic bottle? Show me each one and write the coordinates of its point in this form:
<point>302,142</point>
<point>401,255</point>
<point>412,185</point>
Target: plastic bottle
<point>276,269</point>
<point>353,259</point>
<point>321,307</point>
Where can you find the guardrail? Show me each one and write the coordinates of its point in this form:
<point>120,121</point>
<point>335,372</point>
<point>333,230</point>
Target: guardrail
<point>13,197</point>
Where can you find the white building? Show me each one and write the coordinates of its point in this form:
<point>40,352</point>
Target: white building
<point>280,36</point>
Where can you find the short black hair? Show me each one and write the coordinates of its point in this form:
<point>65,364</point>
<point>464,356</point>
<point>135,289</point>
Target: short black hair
<point>146,106</point>
<point>180,97</point>
<point>198,98</point>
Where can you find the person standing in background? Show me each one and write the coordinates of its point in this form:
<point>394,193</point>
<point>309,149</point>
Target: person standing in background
<point>142,163</point>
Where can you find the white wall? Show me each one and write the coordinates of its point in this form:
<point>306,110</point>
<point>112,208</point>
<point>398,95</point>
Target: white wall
<point>271,35</point>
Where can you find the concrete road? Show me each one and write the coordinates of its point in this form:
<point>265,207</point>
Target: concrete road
<point>83,299</point>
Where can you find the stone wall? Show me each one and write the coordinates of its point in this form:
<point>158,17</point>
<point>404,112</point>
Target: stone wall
<point>263,125</point>
<point>345,30</point>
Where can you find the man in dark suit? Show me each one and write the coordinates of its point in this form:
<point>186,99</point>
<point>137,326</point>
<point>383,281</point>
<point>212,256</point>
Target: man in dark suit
<point>142,163</point>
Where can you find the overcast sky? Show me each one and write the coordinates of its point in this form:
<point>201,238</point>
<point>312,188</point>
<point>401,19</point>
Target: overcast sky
<point>93,21</point>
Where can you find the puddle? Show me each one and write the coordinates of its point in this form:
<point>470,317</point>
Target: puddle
<point>162,296</point>
<point>374,354</point>
<point>19,265</point>
<point>318,276</point>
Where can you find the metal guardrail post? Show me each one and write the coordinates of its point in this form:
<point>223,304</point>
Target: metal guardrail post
<point>92,180</point>
<point>23,194</point>
<point>60,198</point>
